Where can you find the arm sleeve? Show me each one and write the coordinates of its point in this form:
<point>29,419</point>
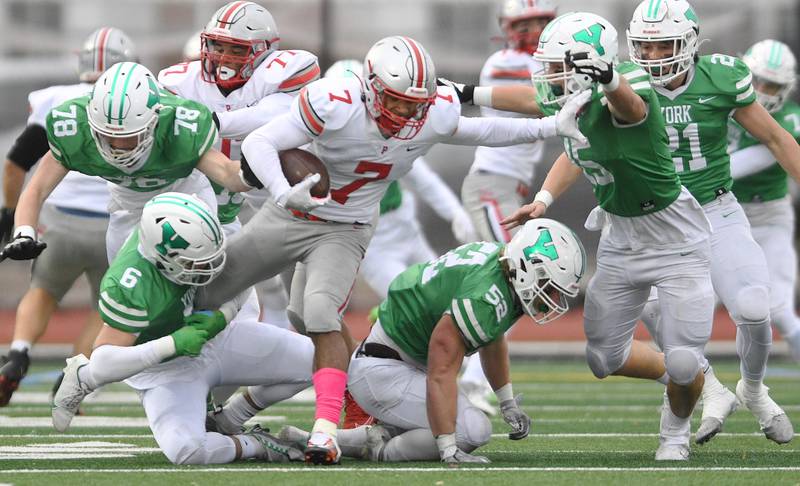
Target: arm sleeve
<point>110,364</point>
<point>240,123</point>
<point>500,132</point>
<point>433,190</point>
<point>29,147</point>
<point>261,150</point>
<point>750,160</point>
<point>232,307</point>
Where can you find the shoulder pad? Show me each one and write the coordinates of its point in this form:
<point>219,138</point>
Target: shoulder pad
<point>120,306</point>
<point>327,104</point>
<point>638,78</point>
<point>507,65</point>
<point>731,76</point>
<point>287,71</point>
<point>445,112</point>
<point>205,131</point>
<point>177,79</point>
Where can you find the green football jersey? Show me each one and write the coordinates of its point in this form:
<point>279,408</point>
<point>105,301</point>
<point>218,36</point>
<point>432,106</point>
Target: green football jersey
<point>185,131</point>
<point>696,116</point>
<point>136,298</point>
<point>773,182</point>
<point>468,283</point>
<point>629,167</point>
<point>393,198</point>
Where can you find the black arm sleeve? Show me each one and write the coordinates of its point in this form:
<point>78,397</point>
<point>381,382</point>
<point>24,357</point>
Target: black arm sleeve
<point>248,175</point>
<point>29,147</point>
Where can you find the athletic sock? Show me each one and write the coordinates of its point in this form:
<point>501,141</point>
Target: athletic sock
<point>329,385</point>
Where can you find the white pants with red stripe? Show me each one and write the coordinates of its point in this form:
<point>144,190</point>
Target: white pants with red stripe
<point>397,244</point>
<point>489,198</point>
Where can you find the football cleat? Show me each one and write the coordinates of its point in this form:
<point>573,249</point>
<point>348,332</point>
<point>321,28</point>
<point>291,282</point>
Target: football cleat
<point>70,394</point>
<point>217,421</point>
<point>295,436</point>
<point>322,449</point>
<point>771,417</point>
<point>354,415</point>
<point>478,395</point>
<point>13,370</point>
<point>673,437</point>
<point>672,452</point>
<point>718,404</point>
<point>377,436</point>
<point>275,450</point>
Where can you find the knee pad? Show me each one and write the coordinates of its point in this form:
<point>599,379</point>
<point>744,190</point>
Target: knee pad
<point>752,304</point>
<point>682,365</point>
<point>296,321</point>
<point>186,450</point>
<point>600,364</point>
<point>476,430</point>
<point>320,313</point>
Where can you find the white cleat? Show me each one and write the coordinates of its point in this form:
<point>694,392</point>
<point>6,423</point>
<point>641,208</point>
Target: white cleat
<point>478,395</point>
<point>718,404</point>
<point>322,449</point>
<point>772,419</point>
<point>295,436</point>
<point>672,452</point>
<point>218,421</point>
<point>70,394</point>
<point>377,436</point>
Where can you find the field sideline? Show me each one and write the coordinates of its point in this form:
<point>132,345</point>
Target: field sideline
<point>584,431</point>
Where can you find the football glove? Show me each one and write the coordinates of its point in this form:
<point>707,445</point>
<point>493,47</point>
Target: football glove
<point>24,246</point>
<point>462,227</point>
<point>299,195</point>
<point>451,454</point>
<point>213,322</point>
<point>590,64</point>
<point>464,91</point>
<point>514,416</point>
<point>189,340</point>
<point>567,116</point>
<point>6,225</point>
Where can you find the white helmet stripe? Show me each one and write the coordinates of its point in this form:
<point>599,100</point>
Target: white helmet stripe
<point>230,13</point>
<point>419,62</point>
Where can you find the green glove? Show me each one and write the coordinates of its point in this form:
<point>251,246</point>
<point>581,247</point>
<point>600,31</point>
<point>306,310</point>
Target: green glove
<point>189,340</point>
<point>211,321</point>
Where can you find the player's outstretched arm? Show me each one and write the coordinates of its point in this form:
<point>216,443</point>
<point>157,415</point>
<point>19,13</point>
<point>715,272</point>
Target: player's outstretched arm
<point>242,122</point>
<point>515,98</point>
<point>750,160</point>
<point>494,359</point>
<point>561,176</point>
<point>222,170</point>
<point>756,120</point>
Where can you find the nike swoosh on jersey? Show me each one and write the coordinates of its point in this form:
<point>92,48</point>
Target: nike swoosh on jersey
<point>705,100</point>
<point>726,215</point>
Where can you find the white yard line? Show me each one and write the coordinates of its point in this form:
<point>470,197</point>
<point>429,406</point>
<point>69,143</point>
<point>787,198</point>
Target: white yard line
<point>362,470</point>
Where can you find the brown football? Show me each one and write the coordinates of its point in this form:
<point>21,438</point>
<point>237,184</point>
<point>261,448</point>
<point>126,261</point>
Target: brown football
<point>297,164</point>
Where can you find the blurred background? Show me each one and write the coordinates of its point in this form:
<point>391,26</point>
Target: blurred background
<point>39,39</point>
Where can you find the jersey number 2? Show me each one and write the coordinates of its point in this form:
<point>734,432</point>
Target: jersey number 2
<point>342,194</point>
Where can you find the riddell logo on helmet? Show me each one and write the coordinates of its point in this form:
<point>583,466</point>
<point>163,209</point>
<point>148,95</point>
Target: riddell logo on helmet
<point>658,31</point>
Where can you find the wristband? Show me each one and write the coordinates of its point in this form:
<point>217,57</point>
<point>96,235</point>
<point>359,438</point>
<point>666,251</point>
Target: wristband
<point>504,393</point>
<point>482,96</point>
<point>25,232</point>
<point>612,85</point>
<point>164,347</point>
<point>544,197</point>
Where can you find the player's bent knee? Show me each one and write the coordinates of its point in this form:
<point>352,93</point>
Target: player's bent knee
<point>320,314</point>
<point>186,450</point>
<point>297,322</point>
<point>682,365</point>
<point>752,304</point>
<point>476,430</point>
<point>598,363</point>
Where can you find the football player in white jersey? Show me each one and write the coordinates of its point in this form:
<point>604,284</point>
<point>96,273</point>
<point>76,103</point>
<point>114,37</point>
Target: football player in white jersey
<point>368,132</point>
<point>760,184</point>
<point>79,202</point>
<point>499,178</point>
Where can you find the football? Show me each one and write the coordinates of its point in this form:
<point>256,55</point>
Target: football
<point>297,164</point>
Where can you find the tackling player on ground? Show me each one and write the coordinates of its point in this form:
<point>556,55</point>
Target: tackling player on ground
<point>368,132</point>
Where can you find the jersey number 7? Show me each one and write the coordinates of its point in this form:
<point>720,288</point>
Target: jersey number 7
<point>343,193</point>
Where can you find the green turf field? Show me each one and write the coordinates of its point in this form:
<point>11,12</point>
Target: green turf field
<point>585,431</point>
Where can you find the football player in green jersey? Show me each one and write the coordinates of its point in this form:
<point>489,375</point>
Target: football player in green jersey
<point>761,185</point>
<point>657,234</point>
<point>173,356</point>
<point>404,373</point>
<point>698,94</point>
<point>133,134</point>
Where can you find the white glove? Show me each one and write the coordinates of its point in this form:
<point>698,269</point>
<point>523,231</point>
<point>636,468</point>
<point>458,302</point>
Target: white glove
<point>567,117</point>
<point>451,454</point>
<point>462,226</point>
<point>299,196</point>
<point>515,417</point>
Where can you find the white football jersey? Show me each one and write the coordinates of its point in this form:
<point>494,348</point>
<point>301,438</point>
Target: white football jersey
<point>280,72</point>
<point>76,190</point>
<point>360,161</point>
<point>505,67</point>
